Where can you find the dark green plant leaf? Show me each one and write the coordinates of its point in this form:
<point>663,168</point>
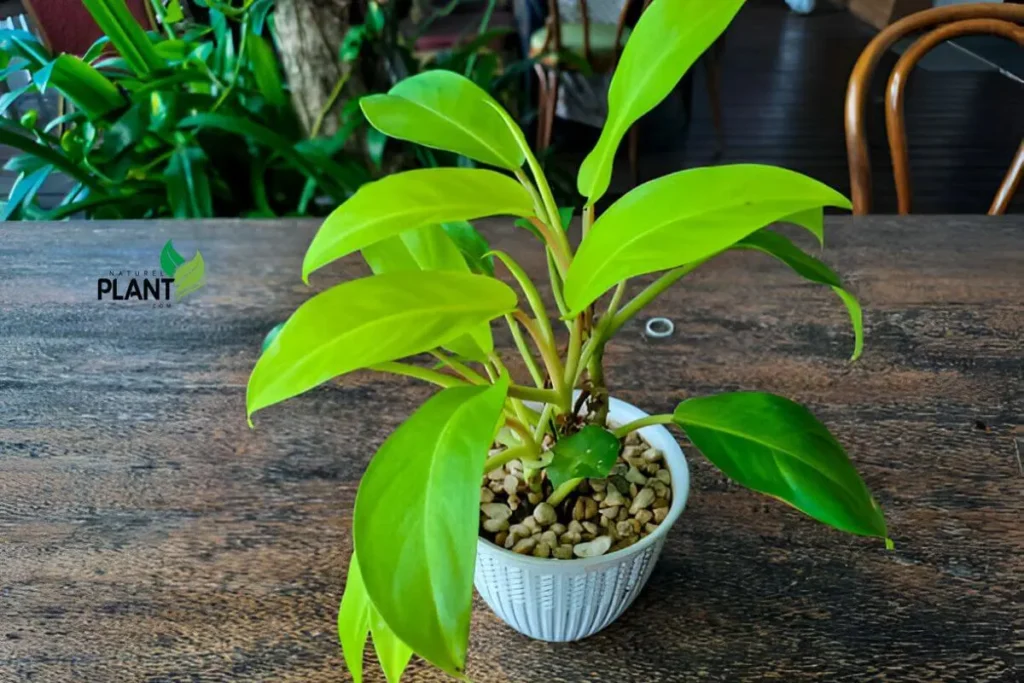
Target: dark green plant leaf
<point>352,43</point>
<point>170,259</point>
<point>412,199</point>
<point>188,185</point>
<point>416,516</point>
<point>807,266</point>
<point>590,452</point>
<point>373,320</point>
<point>775,446</point>
<point>87,88</point>
<point>445,110</point>
<point>127,37</point>
<point>264,67</point>
<point>667,40</point>
<point>21,141</point>
<point>687,217</point>
<point>565,215</point>
<point>473,246</point>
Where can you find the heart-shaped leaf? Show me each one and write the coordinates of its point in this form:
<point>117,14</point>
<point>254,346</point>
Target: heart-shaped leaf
<point>415,522</point>
<point>590,452</point>
<point>412,199</point>
<point>369,321</point>
<point>804,264</point>
<point>667,40</point>
<point>686,217</point>
<point>775,446</point>
<point>444,110</point>
<point>429,248</point>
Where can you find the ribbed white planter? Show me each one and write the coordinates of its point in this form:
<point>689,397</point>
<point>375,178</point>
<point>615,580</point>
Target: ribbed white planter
<point>564,600</point>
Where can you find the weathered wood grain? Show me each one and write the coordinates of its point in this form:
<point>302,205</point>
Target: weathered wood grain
<point>146,534</point>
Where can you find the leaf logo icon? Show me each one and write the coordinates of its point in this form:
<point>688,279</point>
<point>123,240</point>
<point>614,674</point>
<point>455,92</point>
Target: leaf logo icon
<point>189,276</point>
<point>170,259</point>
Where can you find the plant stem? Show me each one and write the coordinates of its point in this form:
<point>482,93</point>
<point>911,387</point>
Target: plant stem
<point>524,351</point>
<point>462,369</point>
<point>572,359</point>
<point>647,295</point>
<point>508,455</point>
<point>425,374</point>
<point>532,295</point>
<point>331,99</point>
<point>522,430</point>
<point>588,218</point>
<point>625,429</point>
<point>556,285</point>
<point>531,394</point>
<point>548,353</point>
<point>236,72</point>
<point>542,423</point>
<point>559,494</point>
<point>555,236</point>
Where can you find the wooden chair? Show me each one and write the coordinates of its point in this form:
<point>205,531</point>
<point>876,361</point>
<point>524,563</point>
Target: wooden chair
<point>942,23</point>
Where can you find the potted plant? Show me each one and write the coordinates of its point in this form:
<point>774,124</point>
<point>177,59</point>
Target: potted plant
<point>555,496</point>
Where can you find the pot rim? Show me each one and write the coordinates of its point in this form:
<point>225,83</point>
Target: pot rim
<point>621,413</point>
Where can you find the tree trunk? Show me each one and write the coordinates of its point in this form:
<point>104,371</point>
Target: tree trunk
<point>309,34</point>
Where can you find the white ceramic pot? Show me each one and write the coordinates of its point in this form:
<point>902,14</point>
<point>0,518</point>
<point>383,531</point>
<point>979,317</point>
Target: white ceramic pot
<point>564,600</point>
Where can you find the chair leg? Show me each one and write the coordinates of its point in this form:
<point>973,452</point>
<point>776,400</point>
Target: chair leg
<point>1009,185</point>
<point>634,153</point>
<point>712,70</point>
<point>542,104</point>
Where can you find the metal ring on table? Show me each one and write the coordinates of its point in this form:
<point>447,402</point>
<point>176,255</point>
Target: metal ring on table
<point>659,328</point>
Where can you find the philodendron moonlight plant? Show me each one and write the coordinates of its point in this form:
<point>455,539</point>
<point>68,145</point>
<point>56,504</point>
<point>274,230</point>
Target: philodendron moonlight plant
<point>415,525</point>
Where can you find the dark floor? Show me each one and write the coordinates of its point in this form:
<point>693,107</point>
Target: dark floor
<point>783,85</point>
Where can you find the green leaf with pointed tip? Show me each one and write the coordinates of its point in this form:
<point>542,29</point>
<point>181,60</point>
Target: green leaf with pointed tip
<point>565,215</point>
<point>415,522</point>
<point>429,248</point>
<point>170,259</point>
<point>686,217</point>
<point>354,620</point>
<point>413,199</point>
<point>189,277</point>
<point>590,452</point>
<point>117,22</point>
<point>667,40</point>
<point>372,320</point>
<point>473,246</point>
<point>804,264</point>
<point>271,336</point>
<point>775,446</point>
<point>392,653</point>
<point>445,110</point>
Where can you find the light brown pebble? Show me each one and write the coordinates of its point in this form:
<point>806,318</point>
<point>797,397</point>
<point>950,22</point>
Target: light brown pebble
<point>558,528</point>
<point>599,546</point>
<point>486,495</point>
<point>531,524</point>
<point>524,546</point>
<point>633,490</point>
<point>598,496</point>
<point>590,508</point>
<point>520,530</point>
<point>542,550</point>
<point>624,529</point>
<point>630,452</point>
<point>623,514</point>
<point>545,514</point>
<point>650,528</point>
<point>549,537</point>
<point>495,525</point>
<point>534,498</point>
<point>605,521</point>
<point>514,466</point>
<point>660,513</point>
<point>496,510</point>
<point>578,510</point>
<point>651,468</point>
<point>590,527</point>
<point>612,512</point>
<point>576,527</point>
<point>613,498</point>
<point>659,503</point>
<point>495,487</point>
<point>652,455</point>
<point>513,502</point>
<point>571,537</point>
<point>496,475</point>
<point>598,484</point>
<point>664,476</point>
<point>563,552</point>
<point>511,540</point>
<point>618,469</point>
<point>642,500</point>
<point>633,438</point>
<point>500,538</point>
<point>637,525</point>
<point>510,484</point>
<point>660,490</point>
<point>644,516</point>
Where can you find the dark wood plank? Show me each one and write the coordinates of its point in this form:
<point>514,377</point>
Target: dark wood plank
<point>146,534</point>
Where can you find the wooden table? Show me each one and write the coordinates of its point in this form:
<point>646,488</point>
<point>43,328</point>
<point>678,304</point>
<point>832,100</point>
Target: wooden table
<point>146,534</point>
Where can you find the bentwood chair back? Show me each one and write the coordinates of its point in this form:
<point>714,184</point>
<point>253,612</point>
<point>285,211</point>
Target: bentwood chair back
<point>941,24</point>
